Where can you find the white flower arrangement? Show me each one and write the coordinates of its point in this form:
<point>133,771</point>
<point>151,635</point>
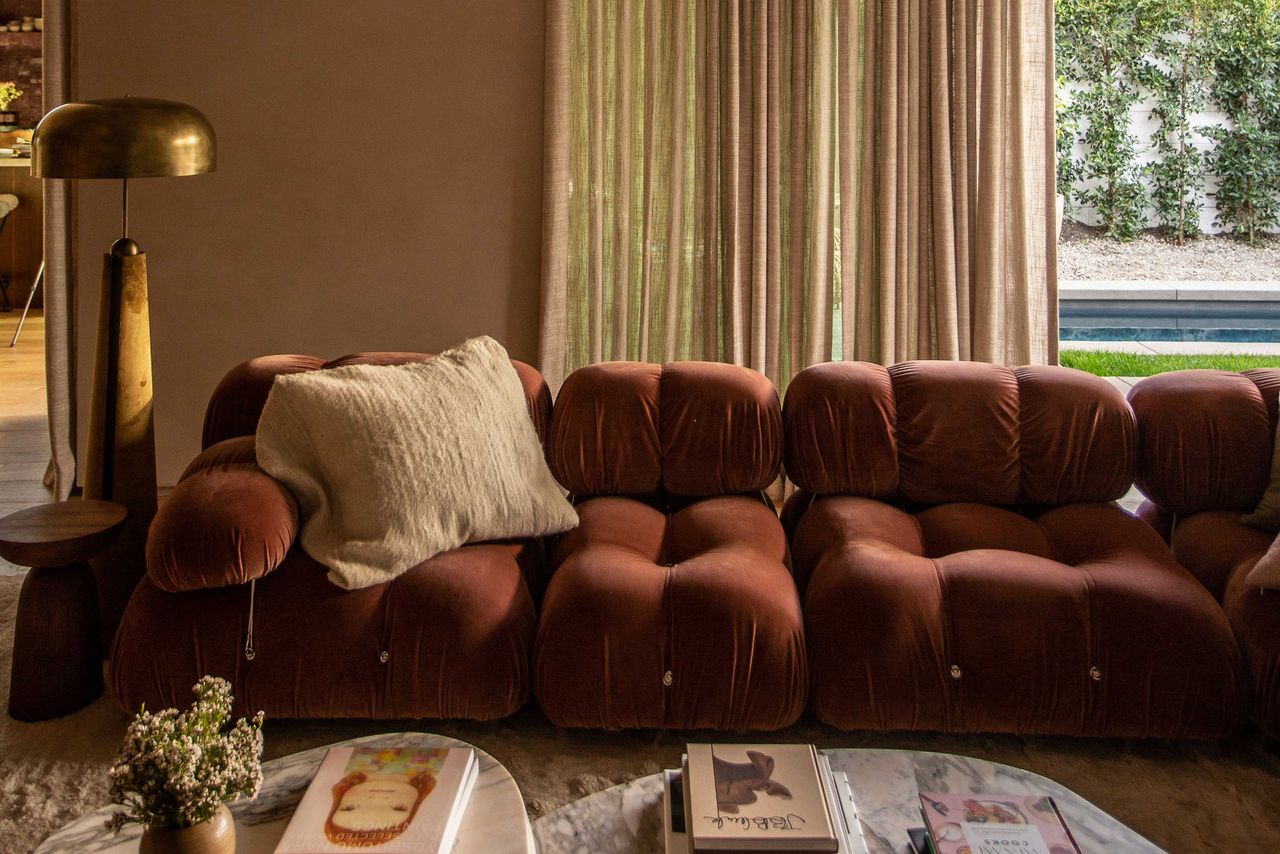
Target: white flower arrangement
<point>177,768</point>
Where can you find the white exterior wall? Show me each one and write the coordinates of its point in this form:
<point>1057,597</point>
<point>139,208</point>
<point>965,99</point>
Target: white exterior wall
<point>1143,126</point>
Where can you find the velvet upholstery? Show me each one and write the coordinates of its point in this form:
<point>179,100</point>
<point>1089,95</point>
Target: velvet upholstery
<point>238,399</point>
<point>226,522</point>
<point>690,429</point>
<point>1206,440</point>
<point>672,604</point>
<point>457,629</point>
<point>930,432</point>
<point>962,567</point>
<point>1206,454</point>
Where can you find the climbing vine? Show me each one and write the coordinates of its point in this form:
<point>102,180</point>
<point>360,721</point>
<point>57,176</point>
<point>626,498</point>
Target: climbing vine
<point>1102,45</point>
<point>1245,44</point>
<point>1182,57</point>
<point>1178,77</point>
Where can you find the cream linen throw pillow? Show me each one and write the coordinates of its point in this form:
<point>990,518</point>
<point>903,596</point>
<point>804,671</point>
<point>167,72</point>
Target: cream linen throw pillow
<point>394,464</point>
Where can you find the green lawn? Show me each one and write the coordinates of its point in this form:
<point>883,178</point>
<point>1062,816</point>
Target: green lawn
<point>1107,363</point>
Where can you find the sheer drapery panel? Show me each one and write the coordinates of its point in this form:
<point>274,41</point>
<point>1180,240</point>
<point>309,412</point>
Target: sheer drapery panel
<point>781,182</point>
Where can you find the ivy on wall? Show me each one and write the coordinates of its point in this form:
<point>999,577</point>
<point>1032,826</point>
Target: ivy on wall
<point>1246,53</point>
<point>1184,56</point>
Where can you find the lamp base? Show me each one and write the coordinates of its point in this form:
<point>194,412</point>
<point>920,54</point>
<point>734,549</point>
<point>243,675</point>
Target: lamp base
<point>120,460</point>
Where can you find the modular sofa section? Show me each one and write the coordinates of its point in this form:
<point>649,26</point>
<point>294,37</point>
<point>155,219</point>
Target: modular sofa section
<point>964,569</point>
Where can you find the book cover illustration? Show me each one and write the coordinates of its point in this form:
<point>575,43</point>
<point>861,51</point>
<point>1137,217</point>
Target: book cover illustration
<point>995,824</point>
<point>385,799</point>
<point>763,796</point>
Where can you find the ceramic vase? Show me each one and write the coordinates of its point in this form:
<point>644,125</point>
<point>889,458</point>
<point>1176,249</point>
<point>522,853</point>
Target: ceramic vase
<point>215,836</point>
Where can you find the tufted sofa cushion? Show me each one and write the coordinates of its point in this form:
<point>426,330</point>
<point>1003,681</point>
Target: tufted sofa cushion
<point>691,429</point>
<point>226,522</point>
<point>451,638</point>
<point>237,401</point>
<point>686,621</point>
<point>932,432</point>
<point>1206,438</point>
<point>1206,456</point>
<point>972,618</point>
<point>672,603</point>
<point>963,569</point>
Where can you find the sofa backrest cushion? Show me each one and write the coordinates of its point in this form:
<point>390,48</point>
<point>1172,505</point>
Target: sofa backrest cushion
<point>1206,438</point>
<point>935,432</point>
<point>237,402</point>
<point>690,429</point>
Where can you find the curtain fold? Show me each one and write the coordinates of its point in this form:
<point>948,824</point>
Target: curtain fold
<point>781,182</point>
<point>59,275</point>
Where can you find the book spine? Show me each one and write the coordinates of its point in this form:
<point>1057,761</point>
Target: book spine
<point>1066,827</point>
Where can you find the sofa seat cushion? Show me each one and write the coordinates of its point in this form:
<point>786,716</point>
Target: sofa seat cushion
<point>456,630</point>
<point>1220,550</point>
<point>972,618</point>
<point>1214,545</point>
<point>687,620</point>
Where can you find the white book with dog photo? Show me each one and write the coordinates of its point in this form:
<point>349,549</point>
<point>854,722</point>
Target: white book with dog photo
<point>757,797</point>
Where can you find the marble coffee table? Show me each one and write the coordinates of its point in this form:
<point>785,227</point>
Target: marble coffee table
<point>627,819</point>
<point>495,821</point>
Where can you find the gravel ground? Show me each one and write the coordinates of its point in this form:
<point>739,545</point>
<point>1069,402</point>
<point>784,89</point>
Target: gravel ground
<point>1083,254</point>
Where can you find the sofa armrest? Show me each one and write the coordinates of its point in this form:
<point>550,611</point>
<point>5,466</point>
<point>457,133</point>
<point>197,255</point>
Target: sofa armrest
<point>226,522</point>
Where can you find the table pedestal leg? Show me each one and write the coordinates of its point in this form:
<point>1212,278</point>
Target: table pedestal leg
<point>57,659</point>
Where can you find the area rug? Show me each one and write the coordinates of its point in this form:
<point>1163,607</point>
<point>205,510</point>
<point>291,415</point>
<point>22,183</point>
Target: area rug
<point>1190,797</point>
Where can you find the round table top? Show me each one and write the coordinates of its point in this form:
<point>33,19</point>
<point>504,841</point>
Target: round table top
<point>886,784</point>
<point>61,533</point>
<point>495,821</point>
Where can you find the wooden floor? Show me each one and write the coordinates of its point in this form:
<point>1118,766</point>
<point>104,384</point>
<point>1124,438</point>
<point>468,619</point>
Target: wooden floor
<point>24,430</point>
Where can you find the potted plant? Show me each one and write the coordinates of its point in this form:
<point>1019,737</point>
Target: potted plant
<point>8,94</point>
<point>178,770</point>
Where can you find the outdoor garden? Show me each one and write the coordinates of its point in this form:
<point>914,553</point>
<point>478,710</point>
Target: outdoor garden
<point>1168,138</point>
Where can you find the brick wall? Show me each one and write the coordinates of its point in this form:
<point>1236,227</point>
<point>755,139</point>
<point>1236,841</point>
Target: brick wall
<point>20,61</point>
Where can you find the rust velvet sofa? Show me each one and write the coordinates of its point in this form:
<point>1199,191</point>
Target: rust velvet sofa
<point>1205,460</point>
<point>672,603</point>
<point>953,560</point>
<point>450,638</point>
<point>964,568</point>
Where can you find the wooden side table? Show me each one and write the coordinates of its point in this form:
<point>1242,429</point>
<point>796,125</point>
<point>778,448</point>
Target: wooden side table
<point>57,656</point>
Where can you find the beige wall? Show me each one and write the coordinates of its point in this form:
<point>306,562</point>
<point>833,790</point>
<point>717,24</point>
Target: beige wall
<point>378,184</point>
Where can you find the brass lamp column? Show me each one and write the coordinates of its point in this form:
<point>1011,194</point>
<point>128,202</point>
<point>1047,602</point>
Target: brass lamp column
<point>122,138</point>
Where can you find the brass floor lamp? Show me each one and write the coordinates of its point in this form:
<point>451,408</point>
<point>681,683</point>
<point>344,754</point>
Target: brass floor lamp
<point>122,138</point>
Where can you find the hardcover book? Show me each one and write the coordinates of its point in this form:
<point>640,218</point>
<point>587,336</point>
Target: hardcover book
<point>674,839</point>
<point>393,800</point>
<point>757,797</point>
<point>995,824</point>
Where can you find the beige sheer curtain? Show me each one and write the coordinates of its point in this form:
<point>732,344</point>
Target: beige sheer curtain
<point>690,200</point>
<point>780,182</point>
<point>946,137</point>
<point>59,277</point>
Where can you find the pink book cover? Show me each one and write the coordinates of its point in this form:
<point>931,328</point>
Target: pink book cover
<point>995,824</point>
<point>392,800</point>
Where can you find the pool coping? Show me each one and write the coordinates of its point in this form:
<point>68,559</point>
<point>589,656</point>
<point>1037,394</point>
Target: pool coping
<point>1123,289</point>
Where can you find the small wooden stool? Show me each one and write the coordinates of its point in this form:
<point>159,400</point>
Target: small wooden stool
<point>57,657</point>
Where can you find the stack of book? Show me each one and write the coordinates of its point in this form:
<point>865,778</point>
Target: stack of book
<point>956,823</point>
<point>730,798</point>
<point>402,800</point>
